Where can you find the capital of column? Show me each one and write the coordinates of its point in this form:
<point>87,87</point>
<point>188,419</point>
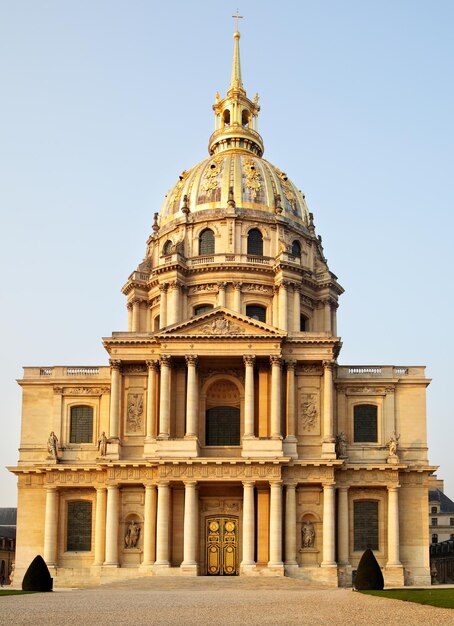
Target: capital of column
<point>290,365</point>
<point>190,484</point>
<point>152,365</point>
<point>166,360</point>
<point>276,483</point>
<point>114,364</point>
<point>284,284</point>
<point>163,287</point>
<point>249,359</point>
<point>129,306</point>
<point>162,484</point>
<point>393,488</point>
<point>237,285</point>
<point>174,285</point>
<point>222,286</point>
<point>328,365</point>
<point>290,485</point>
<point>191,359</point>
<point>276,360</point>
<point>248,483</point>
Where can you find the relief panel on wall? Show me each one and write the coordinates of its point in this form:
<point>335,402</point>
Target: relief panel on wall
<point>308,412</point>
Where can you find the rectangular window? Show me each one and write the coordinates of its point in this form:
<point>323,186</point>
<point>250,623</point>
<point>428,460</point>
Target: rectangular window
<point>365,524</point>
<point>78,526</point>
<point>81,424</point>
<point>434,509</point>
<point>365,423</point>
<point>451,521</point>
<point>434,521</point>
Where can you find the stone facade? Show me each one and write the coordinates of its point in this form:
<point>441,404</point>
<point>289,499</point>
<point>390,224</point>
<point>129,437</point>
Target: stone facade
<point>224,437</point>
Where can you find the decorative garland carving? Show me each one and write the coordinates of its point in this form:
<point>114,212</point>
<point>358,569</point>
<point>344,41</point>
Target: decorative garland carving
<point>206,287</point>
<point>286,186</point>
<point>221,326</point>
<point>134,412</point>
<point>252,177</point>
<point>211,174</point>
<point>81,391</point>
<point>179,187</point>
<point>308,413</point>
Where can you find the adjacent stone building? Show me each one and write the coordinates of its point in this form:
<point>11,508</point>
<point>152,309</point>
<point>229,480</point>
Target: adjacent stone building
<point>223,437</point>
<point>441,512</point>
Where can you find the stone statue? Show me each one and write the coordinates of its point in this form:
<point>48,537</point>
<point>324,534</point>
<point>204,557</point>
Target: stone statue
<point>393,444</point>
<point>102,444</point>
<point>341,445</point>
<point>308,534</point>
<point>132,535</point>
<point>52,445</point>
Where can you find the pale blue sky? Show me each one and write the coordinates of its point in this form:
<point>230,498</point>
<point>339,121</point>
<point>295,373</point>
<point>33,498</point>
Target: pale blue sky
<point>104,103</point>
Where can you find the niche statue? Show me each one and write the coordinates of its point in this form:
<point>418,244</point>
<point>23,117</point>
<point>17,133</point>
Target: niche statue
<point>132,535</point>
<point>308,534</point>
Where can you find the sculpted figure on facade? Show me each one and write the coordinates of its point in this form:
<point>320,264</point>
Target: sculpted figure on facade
<point>308,535</point>
<point>132,535</point>
<point>102,444</point>
<point>135,411</point>
<point>52,446</point>
<point>393,444</point>
<point>341,445</point>
<point>309,412</point>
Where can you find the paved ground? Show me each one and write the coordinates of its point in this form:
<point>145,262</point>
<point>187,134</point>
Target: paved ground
<point>215,602</point>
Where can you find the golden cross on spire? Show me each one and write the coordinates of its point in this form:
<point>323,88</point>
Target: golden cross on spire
<point>237,17</point>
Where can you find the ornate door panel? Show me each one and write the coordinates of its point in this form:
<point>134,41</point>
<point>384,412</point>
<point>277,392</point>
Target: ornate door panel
<point>222,546</point>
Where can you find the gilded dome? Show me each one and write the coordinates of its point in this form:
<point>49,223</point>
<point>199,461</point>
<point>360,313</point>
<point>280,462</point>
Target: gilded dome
<point>239,176</point>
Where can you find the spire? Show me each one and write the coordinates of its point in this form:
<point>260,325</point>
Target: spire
<point>235,81</point>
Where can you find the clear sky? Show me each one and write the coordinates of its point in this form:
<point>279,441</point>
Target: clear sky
<point>104,102</point>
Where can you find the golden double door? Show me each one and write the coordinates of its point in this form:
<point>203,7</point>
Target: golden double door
<point>222,546</point>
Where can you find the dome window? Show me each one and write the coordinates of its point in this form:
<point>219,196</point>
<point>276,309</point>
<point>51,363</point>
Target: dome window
<point>304,323</point>
<point>256,312</point>
<point>245,118</point>
<point>226,117</point>
<point>202,308</point>
<point>167,248</point>
<point>255,242</point>
<point>206,242</point>
<point>296,249</point>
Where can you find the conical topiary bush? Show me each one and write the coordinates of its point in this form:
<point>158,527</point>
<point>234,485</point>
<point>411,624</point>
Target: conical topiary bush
<point>369,575</point>
<point>37,577</point>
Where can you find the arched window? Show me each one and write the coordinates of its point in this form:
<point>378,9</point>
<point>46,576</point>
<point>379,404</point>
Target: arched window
<point>245,118</point>
<point>157,322</point>
<point>255,242</point>
<point>226,117</point>
<point>167,249</point>
<point>365,524</point>
<point>206,242</point>
<point>304,323</point>
<point>78,526</point>
<point>365,423</point>
<point>81,426</point>
<point>202,308</point>
<point>256,312</point>
<point>223,426</point>
<point>296,249</point>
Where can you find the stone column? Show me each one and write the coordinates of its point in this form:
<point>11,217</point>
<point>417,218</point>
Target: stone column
<point>276,362</point>
<point>283,307</point>
<point>248,524</point>
<point>290,524</point>
<point>237,297</point>
<point>191,397</point>
<point>51,525</point>
<point>393,526</point>
<point>221,293</point>
<point>296,308</point>
<point>114,398</point>
<point>162,525</point>
<point>136,315</point>
<point>163,305</point>
<point>173,297</point>
<point>249,396</point>
<point>100,526</point>
<point>164,400</point>
<point>328,425</point>
<point>151,399</point>
<point>275,320</point>
<point>291,424</point>
<point>113,506</point>
<point>275,524</point>
<point>190,525</point>
<point>328,525</point>
<point>343,549</point>
<point>129,308</point>
<point>327,315</point>
<point>149,525</point>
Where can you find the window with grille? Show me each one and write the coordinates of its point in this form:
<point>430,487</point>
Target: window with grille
<point>81,430</point>
<point>255,242</point>
<point>206,242</point>
<point>365,423</point>
<point>256,312</point>
<point>78,527</point>
<point>203,308</point>
<point>365,524</point>
<point>434,521</point>
<point>296,249</point>
<point>223,426</point>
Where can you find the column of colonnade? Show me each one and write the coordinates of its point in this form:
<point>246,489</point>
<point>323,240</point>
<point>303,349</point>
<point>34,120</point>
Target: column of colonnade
<point>249,396</point>
<point>191,397</point>
<point>50,528</point>
<point>393,526</point>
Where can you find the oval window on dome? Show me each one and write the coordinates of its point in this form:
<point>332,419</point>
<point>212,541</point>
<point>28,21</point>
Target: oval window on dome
<point>255,242</point>
<point>167,248</point>
<point>206,242</point>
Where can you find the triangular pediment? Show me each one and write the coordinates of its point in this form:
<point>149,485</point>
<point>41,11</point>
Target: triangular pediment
<point>221,323</point>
